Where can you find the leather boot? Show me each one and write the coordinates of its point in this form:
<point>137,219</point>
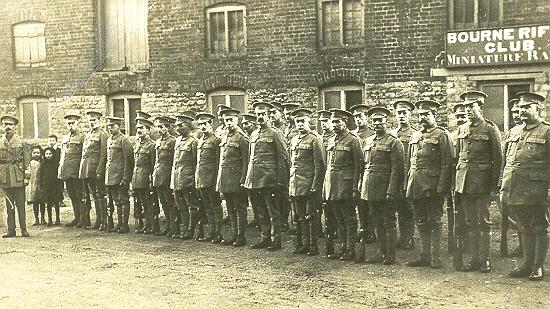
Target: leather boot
<point>138,226</point>
<point>156,227</point>
<point>329,247</point>
<point>234,230</point>
<point>275,245</point>
<point>362,247</point>
<point>523,271</point>
<point>264,243</point>
<point>473,240</point>
<point>351,234</point>
<point>484,251</point>
<point>314,232</point>
<point>119,219</point>
<point>200,232</point>
<point>391,244</point>
<point>382,247</point>
<point>518,251</point>
<point>193,220</point>
<point>110,224</point>
<point>299,244</point>
<point>98,219</point>
<point>148,224</point>
<point>435,239</point>
<point>541,249</point>
<point>425,243</point>
<point>124,228</point>
<point>103,210</point>
<point>184,226</point>
<point>240,241</point>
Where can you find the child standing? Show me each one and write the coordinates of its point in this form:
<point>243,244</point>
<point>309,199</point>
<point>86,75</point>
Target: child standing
<point>34,195</point>
<point>52,187</point>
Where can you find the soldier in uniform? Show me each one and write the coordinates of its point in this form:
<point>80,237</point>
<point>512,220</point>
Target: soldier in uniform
<point>144,157</point>
<point>231,176</point>
<point>430,154</point>
<point>382,183</point>
<point>118,173</point>
<point>208,157</point>
<point>221,130</point>
<point>183,177</point>
<point>164,147</point>
<point>69,165</point>
<point>290,130</point>
<point>526,184</point>
<point>248,124</point>
<point>14,157</point>
<point>277,117</point>
<point>479,156</point>
<point>266,173</point>
<point>92,172</point>
<point>341,183</point>
<point>366,225</point>
<point>405,213</point>
<point>307,171</point>
<point>327,132</point>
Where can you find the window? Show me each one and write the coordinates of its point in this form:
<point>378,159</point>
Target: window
<point>468,14</point>
<point>125,33</point>
<point>226,29</point>
<point>342,97</point>
<point>341,22</point>
<point>33,112</point>
<point>496,103</point>
<point>232,98</point>
<point>29,45</point>
<point>125,106</point>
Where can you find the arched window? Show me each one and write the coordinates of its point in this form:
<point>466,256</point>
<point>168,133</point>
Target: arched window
<point>34,117</point>
<point>125,106</point>
<point>29,44</point>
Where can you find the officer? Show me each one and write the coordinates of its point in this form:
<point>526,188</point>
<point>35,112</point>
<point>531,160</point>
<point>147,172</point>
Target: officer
<point>14,157</point>
<point>208,159</point>
<point>69,165</point>
<point>164,147</point>
<point>405,214</point>
<point>288,109</point>
<point>267,171</point>
<point>144,156</point>
<point>231,176</point>
<point>327,132</point>
<point>118,173</point>
<point>526,184</point>
<point>92,171</point>
<point>479,156</point>
<point>430,153</point>
<point>341,183</point>
<point>183,177</point>
<point>307,171</point>
<point>248,124</point>
<point>382,182</point>
<point>366,225</point>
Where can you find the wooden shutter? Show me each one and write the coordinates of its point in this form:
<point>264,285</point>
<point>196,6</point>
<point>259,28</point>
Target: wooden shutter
<point>114,33</point>
<point>135,26</point>
<point>27,115</point>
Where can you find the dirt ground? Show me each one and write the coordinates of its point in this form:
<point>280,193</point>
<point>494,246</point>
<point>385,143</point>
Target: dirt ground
<point>73,268</point>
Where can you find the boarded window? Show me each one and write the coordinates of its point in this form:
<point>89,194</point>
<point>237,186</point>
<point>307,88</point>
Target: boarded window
<point>468,14</point>
<point>35,117</point>
<point>125,107</point>
<point>125,25</point>
<point>29,45</point>
<point>226,29</point>
<point>341,22</point>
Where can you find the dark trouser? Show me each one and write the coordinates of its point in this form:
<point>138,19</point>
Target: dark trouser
<point>38,209</point>
<point>166,198</point>
<point>187,204</point>
<point>213,208</point>
<point>17,197</point>
<point>385,217</point>
<point>405,217</point>
<point>346,220</point>
<point>330,219</point>
<point>236,210</point>
<point>143,208</point>
<point>284,203</point>
<point>269,212</point>
<point>74,191</point>
<point>52,205</point>
<point>366,222</point>
<point>255,218</point>
<point>477,224</point>
<point>306,209</point>
<point>533,221</point>
<point>428,213</point>
<point>118,196</point>
<point>95,187</point>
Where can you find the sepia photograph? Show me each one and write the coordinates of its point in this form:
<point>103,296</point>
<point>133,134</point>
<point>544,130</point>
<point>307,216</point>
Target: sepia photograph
<point>274,154</point>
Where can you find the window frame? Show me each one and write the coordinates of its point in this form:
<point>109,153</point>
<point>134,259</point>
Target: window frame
<point>126,97</point>
<point>34,100</point>
<point>42,41</point>
<point>341,20</point>
<point>227,93</point>
<point>342,89</point>
<point>225,8</point>
<point>476,24</point>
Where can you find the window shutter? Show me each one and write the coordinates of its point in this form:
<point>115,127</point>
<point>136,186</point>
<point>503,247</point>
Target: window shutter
<point>114,33</point>
<point>27,113</point>
<point>43,118</point>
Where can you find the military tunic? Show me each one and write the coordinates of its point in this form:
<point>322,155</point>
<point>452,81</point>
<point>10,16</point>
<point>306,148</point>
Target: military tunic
<point>307,167</point>
<point>144,156</point>
<point>69,166</point>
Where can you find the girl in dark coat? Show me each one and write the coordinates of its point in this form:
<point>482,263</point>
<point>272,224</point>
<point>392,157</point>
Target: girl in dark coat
<point>52,187</point>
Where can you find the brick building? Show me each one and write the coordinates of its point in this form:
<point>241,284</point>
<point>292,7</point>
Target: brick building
<point>117,56</point>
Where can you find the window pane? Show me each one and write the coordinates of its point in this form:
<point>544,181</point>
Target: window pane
<point>236,31</point>
<point>458,11</point>
<point>494,11</point>
<point>469,11</point>
<point>27,113</point>
<point>134,105</point>
<point>494,104</point>
<point>353,97</point>
<point>330,23</point>
<point>217,32</point>
<point>118,108</point>
<point>332,99</point>
<point>352,21</point>
<point>43,119</point>
<point>483,11</point>
<point>512,91</point>
<point>237,102</point>
<point>217,100</point>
